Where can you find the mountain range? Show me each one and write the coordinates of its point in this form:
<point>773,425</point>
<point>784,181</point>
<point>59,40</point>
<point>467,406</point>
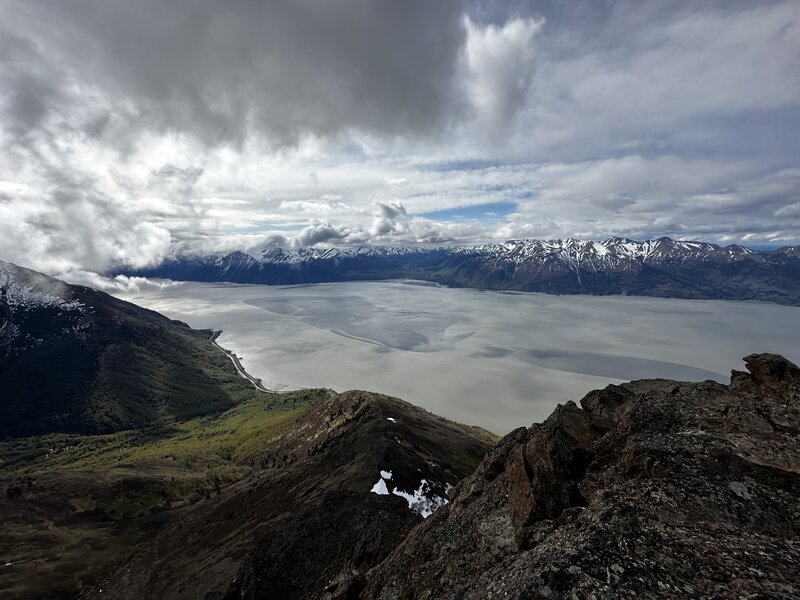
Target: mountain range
<point>142,464</point>
<point>662,267</point>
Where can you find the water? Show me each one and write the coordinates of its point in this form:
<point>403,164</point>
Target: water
<point>496,359</point>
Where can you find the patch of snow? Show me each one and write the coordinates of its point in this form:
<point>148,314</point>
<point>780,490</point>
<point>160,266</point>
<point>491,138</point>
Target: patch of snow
<point>44,293</point>
<point>380,488</point>
<point>419,502</point>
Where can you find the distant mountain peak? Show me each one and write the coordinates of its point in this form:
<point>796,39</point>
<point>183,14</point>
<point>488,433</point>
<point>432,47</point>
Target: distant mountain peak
<point>618,265</point>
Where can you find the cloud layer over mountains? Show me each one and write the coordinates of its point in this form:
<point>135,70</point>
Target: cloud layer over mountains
<point>133,130</point>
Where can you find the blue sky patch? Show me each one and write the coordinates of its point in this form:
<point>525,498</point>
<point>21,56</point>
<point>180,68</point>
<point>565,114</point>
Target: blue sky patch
<point>491,211</point>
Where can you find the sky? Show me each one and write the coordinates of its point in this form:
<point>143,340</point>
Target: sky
<point>132,131</point>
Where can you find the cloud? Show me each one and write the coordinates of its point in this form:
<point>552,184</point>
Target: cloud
<point>318,233</point>
<point>130,131</point>
<point>316,206</point>
<point>500,64</point>
<point>651,77</point>
<point>218,71</point>
<point>388,218</point>
<point>643,198</point>
<point>118,283</point>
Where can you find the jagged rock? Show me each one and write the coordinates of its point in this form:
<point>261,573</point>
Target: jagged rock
<point>773,371</point>
<point>655,489</point>
<point>544,473</point>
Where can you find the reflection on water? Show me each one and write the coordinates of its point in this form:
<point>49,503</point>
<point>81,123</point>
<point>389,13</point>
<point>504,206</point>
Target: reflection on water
<point>500,360</point>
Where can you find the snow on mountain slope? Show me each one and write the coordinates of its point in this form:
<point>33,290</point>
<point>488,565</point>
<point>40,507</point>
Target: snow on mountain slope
<point>614,252</point>
<point>27,300</point>
<point>660,267</point>
<point>30,290</point>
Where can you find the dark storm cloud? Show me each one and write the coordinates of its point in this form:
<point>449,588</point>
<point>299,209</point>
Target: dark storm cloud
<point>220,69</point>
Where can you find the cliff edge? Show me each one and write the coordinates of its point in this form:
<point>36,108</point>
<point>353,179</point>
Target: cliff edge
<point>650,489</point>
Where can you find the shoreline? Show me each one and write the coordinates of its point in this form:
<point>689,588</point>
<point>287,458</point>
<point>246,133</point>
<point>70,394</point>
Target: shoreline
<point>238,365</point>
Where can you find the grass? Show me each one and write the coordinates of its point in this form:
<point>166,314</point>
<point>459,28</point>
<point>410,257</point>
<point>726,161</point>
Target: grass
<point>206,442</point>
<point>95,498</point>
<point>106,432</point>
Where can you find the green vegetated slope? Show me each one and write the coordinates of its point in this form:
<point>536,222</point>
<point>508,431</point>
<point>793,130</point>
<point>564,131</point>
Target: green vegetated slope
<point>77,360</point>
<point>112,418</point>
<point>74,505</point>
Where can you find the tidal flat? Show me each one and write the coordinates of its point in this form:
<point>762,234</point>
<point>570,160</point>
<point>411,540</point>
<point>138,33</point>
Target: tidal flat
<point>495,359</point>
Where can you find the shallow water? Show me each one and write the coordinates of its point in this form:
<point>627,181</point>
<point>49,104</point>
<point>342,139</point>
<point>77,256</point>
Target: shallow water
<point>499,360</point>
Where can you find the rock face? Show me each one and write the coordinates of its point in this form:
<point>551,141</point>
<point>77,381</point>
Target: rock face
<point>653,489</point>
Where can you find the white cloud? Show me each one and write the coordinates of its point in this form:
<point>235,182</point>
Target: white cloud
<point>389,218</point>
<point>127,135</point>
<point>118,283</point>
<point>500,64</point>
<point>319,233</point>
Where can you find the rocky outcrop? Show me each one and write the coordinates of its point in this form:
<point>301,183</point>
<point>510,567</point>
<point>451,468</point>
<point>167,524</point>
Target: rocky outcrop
<point>650,489</point>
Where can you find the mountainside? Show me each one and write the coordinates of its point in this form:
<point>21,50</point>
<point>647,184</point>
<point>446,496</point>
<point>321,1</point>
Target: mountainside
<point>662,267</point>
<point>192,511</point>
<point>76,360</point>
<point>306,513</point>
<point>653,489</point>
<point>137,463</point>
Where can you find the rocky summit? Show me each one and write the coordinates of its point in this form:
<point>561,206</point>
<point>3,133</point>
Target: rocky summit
<point>649,489</point>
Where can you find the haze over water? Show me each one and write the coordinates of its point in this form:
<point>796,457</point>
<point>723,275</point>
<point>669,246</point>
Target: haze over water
<point>496,359</point>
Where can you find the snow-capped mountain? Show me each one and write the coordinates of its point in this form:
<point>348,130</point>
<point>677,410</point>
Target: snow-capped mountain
<point>34,308</point>
<point>609,253</point>
<point>76,360</point>
<point>660,267</point>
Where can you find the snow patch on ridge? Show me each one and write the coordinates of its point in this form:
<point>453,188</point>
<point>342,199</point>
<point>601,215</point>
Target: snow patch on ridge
<point>422,501</point>
<point>380,488</point>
